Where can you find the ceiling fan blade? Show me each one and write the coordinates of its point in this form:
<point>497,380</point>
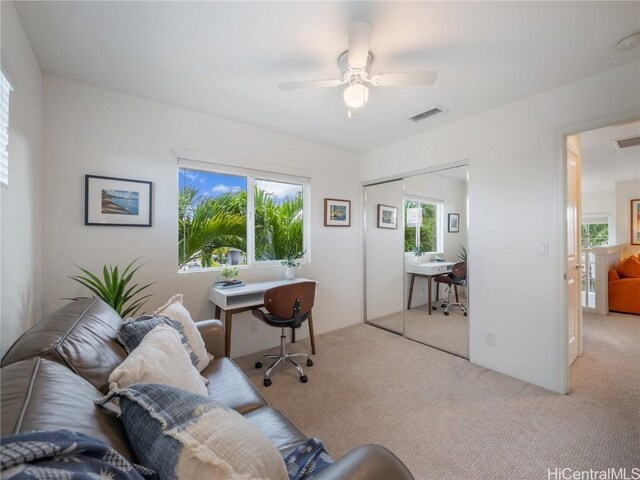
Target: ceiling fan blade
<point>359,43</point>
<point>404,78</point>
<point>310,84</point>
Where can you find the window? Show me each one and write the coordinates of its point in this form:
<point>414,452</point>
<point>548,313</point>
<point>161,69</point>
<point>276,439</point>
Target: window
<point>5,91</point>
<point>423,225</point>
<point>227,217</point>
<point>595,230</point>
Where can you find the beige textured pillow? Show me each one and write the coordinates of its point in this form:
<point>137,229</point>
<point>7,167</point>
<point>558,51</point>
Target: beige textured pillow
<point>160,358</point>
<point>174,310</point>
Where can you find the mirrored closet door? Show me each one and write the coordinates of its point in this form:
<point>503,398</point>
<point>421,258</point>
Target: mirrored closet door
<point>424,252</point>
<point>384,256</point>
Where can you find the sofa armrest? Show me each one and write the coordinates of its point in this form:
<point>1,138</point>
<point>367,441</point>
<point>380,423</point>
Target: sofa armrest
<point>212,332</point>
<point>368,462</point>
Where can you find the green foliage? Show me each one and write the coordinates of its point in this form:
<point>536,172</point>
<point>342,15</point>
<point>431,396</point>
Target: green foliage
<point>427,233</point>
<point>292,260</point>
<point>595,235</point>
<point>229,272</point>
<point>462,253</point>
<point>114,288</point>
<point>278,226</point>
<point>208,227</point>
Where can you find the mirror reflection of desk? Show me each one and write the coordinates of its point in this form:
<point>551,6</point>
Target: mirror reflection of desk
<point>428,271</point>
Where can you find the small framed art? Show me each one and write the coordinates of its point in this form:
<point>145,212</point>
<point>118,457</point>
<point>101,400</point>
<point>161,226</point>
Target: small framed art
<point>337,213</point>
<point>387,216</point>
<point>635,221</point>
<point>454,222</point>
<point>120,202</point>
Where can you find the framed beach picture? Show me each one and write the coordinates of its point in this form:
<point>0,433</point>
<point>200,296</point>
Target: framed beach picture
<point>387,216</point>
<point>454,222</point>
<point>117,201</point>
<point>635,221</point>
<point>337,213</point>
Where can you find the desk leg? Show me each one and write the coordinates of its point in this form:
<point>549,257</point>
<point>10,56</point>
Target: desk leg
<point>227,333</point>
<point>413,279</point>
<point>311,337</point>
<point>429,292</point>
<point>217,315</point>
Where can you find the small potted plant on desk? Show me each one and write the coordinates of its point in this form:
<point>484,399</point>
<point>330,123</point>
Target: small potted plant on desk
<point>420,257</point>
<point>229,273</point>
<point>292,261</point>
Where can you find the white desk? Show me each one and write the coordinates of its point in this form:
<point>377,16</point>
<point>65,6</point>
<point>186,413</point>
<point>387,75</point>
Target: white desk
<point>240,299</point>
<point>428,271</point>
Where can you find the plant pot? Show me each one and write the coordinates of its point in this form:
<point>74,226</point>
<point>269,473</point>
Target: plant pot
<point>290,273</point>
<point>421,259</point>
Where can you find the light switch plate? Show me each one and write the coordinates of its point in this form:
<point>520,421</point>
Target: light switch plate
<point>543,248</point>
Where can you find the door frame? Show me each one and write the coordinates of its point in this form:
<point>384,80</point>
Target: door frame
<point>561,134</point>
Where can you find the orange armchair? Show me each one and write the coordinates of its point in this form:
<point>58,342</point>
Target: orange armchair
<point>624,293</point>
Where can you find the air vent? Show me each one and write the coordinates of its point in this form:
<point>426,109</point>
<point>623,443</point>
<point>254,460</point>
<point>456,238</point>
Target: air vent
<point>428,113</point>
<point>627,142</point>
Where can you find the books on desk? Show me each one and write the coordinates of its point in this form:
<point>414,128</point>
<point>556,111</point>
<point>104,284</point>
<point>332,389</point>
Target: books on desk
<point>225,284</point>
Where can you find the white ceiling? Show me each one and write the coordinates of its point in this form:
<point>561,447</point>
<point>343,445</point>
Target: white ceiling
<point>227,58</point>
<point>603,163</point>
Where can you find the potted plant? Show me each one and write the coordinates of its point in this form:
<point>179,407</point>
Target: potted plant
<point>114,288</point>
<point>229,272</point>
<point>292,261</point>
<point>420,256</point>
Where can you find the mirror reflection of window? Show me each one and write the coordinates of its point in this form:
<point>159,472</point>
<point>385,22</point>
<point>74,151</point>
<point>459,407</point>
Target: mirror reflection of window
<point>423,225</point>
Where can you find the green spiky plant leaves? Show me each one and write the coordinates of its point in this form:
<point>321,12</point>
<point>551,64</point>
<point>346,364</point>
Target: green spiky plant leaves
<point>116,287</point>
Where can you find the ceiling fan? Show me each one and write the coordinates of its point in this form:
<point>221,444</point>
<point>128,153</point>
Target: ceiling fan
<point>355,65</point>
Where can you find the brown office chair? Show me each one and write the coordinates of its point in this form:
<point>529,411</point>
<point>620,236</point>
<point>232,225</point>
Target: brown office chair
<point>458,276</point>
<point>287,307</point>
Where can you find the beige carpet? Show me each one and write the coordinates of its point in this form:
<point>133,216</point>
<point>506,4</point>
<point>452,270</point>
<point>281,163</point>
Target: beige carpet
<point>449,333</point>
<point>447,418</point>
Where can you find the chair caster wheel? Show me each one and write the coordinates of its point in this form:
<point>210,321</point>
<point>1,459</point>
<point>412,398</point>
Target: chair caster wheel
<point>443,305</point>
<point>446,313</point>
<point>465,314</point>
<point>266,382</point>
<point>258,364</point>
<point>309,362</point>
<point>303,379</point>
<point>434,308</point>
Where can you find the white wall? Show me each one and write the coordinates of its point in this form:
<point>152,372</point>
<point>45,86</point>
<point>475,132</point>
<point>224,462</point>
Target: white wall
<point>625,192</point>
<point>20,204</point>
<point>88,130</point>
<point>599,202</point>
<point>514,154</point>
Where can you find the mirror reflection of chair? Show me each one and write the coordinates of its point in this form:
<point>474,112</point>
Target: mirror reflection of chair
<point>287,306</point>
<point>457,277</point>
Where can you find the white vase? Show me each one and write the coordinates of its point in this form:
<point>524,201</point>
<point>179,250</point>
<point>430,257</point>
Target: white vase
<point>290,273</point>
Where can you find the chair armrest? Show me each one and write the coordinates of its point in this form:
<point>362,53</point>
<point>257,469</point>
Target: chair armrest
<point>212,332</point>
<point>368,462</point>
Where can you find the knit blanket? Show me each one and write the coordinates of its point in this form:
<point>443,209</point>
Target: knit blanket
<point>64,455</point>
<point>68,455</point>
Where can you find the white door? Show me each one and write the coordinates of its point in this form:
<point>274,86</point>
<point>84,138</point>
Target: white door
<point>574,269</point>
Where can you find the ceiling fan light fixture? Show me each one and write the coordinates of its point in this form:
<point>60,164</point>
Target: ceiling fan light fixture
<point>356,95</point>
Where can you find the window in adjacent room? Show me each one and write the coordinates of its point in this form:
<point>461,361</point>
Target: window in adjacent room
<point>423,225</point>
<point>595,231</point>
<point>227,216</point>
<point>5,91</point>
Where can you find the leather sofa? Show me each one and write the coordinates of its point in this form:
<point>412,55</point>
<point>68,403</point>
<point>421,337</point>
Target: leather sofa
<point>51,376</point>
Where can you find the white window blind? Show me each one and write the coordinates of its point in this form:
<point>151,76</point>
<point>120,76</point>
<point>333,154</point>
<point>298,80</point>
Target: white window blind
<point>5,91</point>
